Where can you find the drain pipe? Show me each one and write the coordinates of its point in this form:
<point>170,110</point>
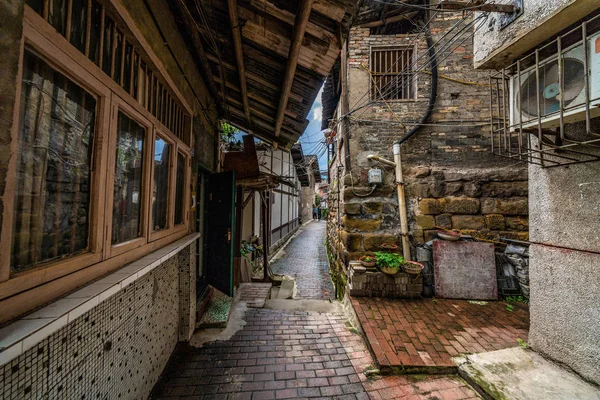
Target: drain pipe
<point>397,153</point>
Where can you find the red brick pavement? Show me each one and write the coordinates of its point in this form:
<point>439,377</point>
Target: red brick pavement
<point>405,387</point>
<point>429,332</point>
<point>293,354</point>
<point>254,294</point>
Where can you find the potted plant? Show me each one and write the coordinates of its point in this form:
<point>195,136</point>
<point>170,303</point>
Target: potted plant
<point>412,267</point>
<point>389,246</point>
<point>389,263</point>
<point>448,235</point>
<point>368,260</point>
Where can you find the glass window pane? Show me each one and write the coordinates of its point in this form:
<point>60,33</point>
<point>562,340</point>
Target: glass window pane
<point>179,189</point>
<point>127,199</point>
<point>58,15</point>
<point>36,5</point>
<point>118,57</point>
<point>107,49</point>
<point>127,67</point>
<point>95,32</point>
<point>160,195</point>
<point>52,196</point>
<point>78,24</point>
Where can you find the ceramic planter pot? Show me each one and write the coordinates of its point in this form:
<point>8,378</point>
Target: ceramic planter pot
<point>412,267</point>
<point>389,271</point>
<point>368,263</point>
<point>448,235</point>
<point>389,246</point>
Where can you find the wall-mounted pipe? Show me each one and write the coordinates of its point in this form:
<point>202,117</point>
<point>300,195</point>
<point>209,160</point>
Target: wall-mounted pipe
<point>412,132</point>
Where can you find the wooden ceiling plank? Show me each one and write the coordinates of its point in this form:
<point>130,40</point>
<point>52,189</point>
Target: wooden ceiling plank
<point>239,55</point>
<point>254,77</point>
<point>292,62</point>
<point>318,60</point>
<point>271,9</point>
<point>330,9</point>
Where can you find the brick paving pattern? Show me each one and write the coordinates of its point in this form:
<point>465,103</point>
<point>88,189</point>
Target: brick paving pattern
<point>254,294</point>
<point>305,259</point>
<point>428,333</point>
<point>293,354</point>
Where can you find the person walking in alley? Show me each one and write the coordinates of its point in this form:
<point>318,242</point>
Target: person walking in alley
<point>315,210</point>
<point>319,213</point>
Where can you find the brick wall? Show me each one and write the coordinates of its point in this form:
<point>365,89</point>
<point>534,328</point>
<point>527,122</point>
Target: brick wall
<point>378,284</point>
<point>118,349</point>
<point>452,179</point>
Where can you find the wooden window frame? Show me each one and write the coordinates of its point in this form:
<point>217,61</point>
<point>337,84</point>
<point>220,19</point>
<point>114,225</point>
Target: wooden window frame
<point>186,186</point>
<point>23,291</point>
<point>36,41</point>
<point>374,91</point>
<point>158,234</point>
<point>118,105</point>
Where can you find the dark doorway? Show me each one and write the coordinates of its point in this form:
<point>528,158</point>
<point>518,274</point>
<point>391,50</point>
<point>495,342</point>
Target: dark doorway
<point>201,245</point>
<point>219,230</point>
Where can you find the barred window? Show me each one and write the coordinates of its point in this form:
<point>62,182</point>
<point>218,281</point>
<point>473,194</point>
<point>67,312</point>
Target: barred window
<point>393,74</point>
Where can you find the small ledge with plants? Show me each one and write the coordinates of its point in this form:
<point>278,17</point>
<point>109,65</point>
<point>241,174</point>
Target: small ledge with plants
<point>385,274</point>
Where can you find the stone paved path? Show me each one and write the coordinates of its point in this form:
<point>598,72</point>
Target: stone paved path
<point>305,258</point>
<point>429,332</point>
<point>293,354</point>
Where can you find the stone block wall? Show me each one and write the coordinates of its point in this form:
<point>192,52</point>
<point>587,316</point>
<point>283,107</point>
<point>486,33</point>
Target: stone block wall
<point>118,349</point>
<point>451,178</point>
<point>484,203</point>
<point>378,284</point>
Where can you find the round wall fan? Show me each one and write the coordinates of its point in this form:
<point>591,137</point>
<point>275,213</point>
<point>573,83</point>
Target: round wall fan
<point>549,88</point>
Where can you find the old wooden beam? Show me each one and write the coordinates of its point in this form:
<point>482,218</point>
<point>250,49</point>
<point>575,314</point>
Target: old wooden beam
<point>478,5</point>
<point>389,20</point>
<point>292,62</point>
<point>193,29</point>
<point>254,77</point>
<point>239,55</point>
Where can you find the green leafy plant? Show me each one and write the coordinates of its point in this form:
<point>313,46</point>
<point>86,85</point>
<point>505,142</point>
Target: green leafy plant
<point>389,260</point>
<point>510,308</point>
<point>368,258</point>
<point>516,299</point>
<point>522,342</point>
<point>247,249</point>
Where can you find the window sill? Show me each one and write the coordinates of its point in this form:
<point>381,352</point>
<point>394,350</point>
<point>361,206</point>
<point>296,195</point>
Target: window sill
<point>24,333</point>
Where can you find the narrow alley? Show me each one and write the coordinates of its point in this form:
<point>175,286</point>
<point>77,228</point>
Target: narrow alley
<point>301,348</point>
<point>305,259</point>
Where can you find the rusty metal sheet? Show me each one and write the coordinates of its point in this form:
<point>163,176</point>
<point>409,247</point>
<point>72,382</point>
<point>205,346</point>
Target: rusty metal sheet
<point>465,270</point>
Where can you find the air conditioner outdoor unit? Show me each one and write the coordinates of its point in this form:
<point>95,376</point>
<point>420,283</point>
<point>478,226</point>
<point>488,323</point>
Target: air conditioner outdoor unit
<point>524,90</point>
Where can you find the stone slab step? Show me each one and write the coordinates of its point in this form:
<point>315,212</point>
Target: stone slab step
<point>286,290</point>
<point>519,373</point>
<point>217,311</point>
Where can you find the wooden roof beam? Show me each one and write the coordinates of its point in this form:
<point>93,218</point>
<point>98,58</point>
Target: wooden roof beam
<point>292,61</point>
<point>239,55</point>
<point>254,77</point>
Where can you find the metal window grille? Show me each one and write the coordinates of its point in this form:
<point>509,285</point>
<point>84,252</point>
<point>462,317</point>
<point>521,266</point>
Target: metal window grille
<point>545,107</point>
<point>393,74</point>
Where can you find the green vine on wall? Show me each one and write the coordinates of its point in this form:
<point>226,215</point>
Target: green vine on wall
<point>336,272</point>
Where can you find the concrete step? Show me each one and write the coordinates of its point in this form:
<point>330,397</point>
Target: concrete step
<point>217,311</point>
<point>519,373</point>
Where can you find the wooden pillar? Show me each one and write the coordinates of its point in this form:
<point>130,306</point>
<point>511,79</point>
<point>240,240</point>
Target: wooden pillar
<point>265,232</point>
<point>237,236</point>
